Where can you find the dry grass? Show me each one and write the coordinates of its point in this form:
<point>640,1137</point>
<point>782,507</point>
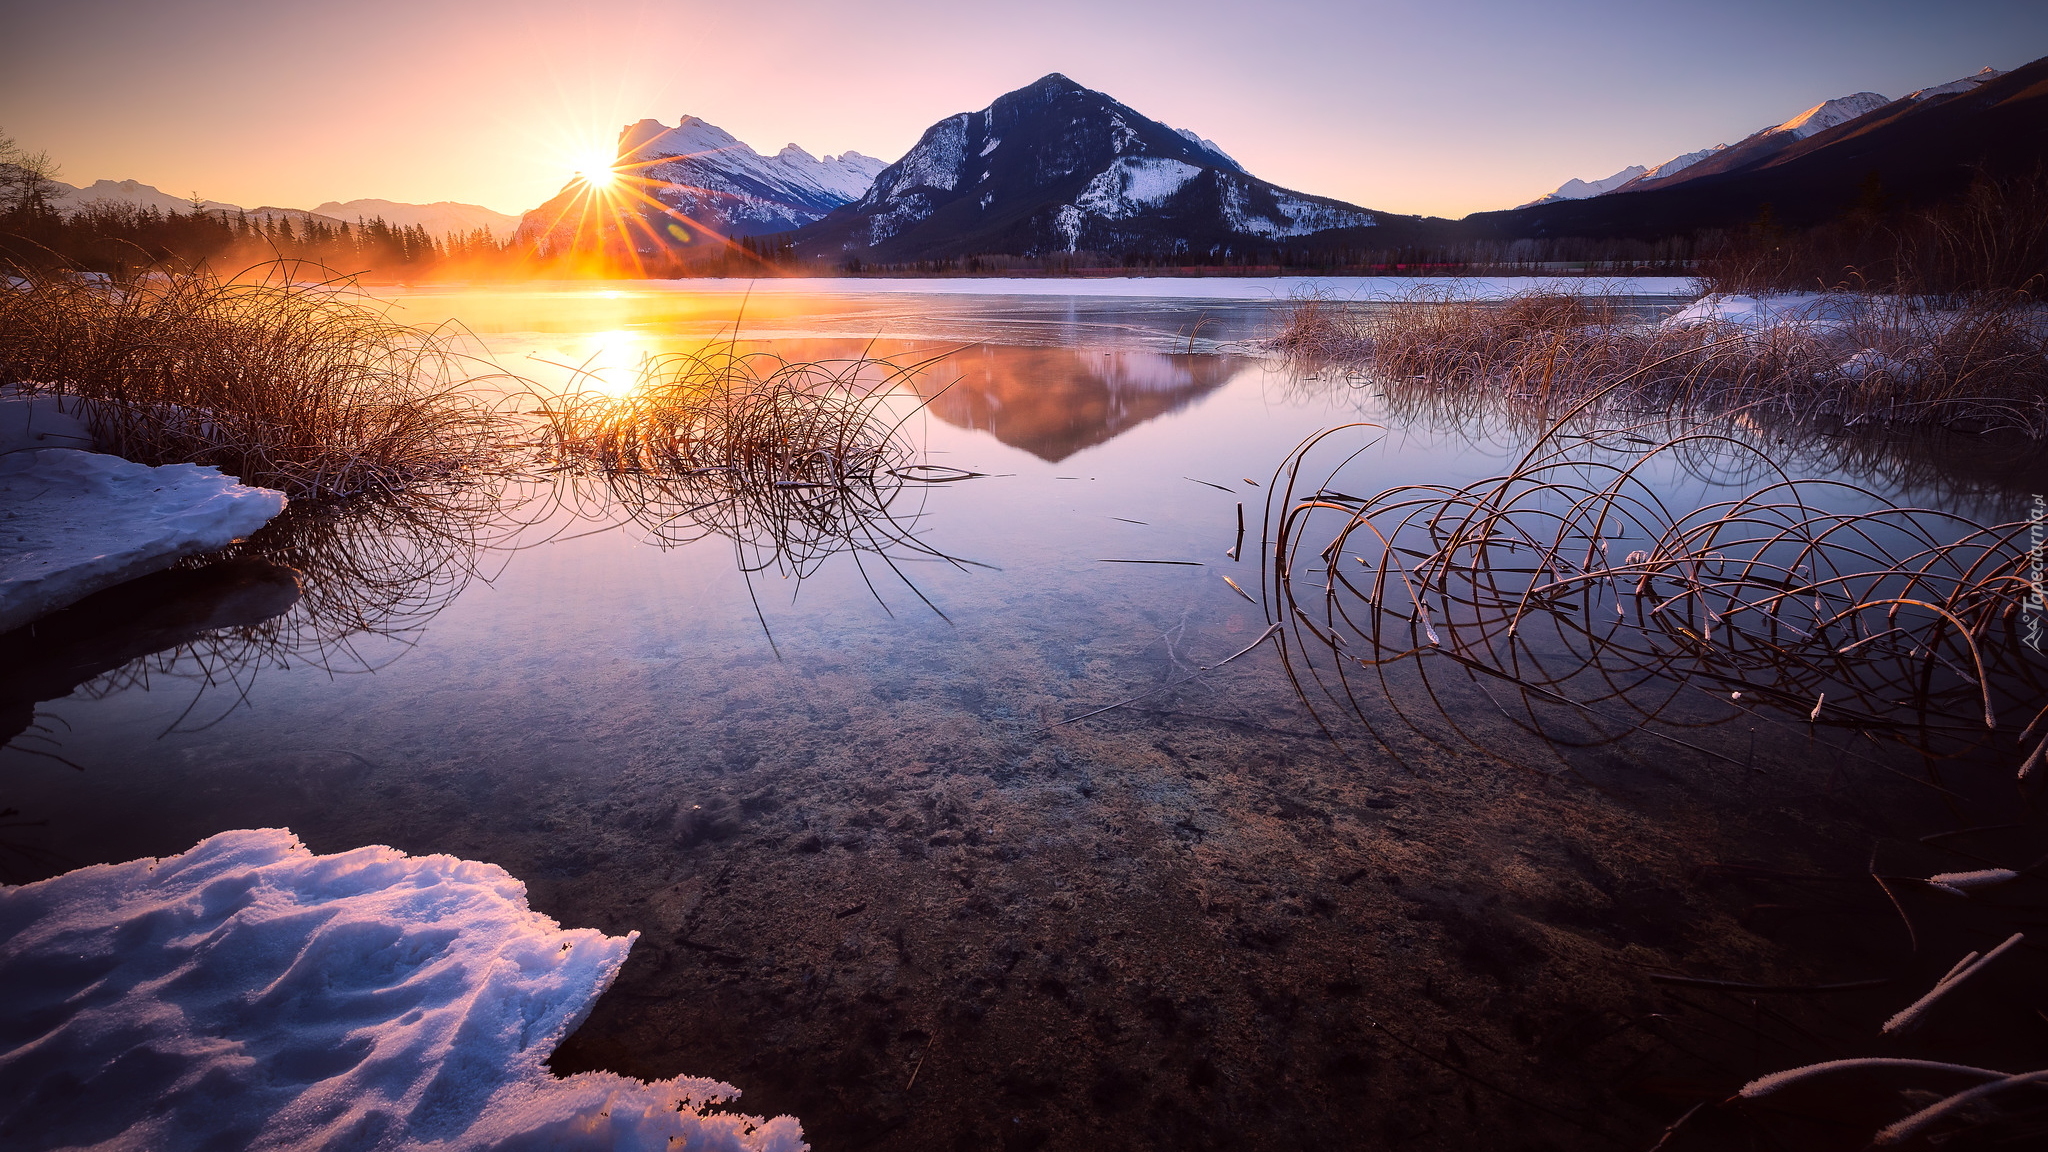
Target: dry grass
<point>1978,363</point>
<point>303,388</point>
<point>792,461</point>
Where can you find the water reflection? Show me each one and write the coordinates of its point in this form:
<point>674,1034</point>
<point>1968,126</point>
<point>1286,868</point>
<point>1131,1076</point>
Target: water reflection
<point>1053,402</point>
<point>106,632</point>
<point>343,587</point>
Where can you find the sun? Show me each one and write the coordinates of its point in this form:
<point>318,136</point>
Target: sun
<point>597,171</point>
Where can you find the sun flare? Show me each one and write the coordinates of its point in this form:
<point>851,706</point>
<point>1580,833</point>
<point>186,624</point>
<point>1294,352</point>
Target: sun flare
<point>597,171</point>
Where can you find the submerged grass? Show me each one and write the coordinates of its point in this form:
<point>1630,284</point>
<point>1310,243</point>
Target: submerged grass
<point>306,388</point>
<point>1569,579</point>
<point>1976,361</point>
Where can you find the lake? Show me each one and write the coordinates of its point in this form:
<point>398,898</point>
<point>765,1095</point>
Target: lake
<point>953,827</point>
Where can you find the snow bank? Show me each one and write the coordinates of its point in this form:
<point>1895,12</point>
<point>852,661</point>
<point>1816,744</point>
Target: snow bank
<point>249,994</point>
<point>73,522</point>
<point>1812,311</point>
<point>29,422</point>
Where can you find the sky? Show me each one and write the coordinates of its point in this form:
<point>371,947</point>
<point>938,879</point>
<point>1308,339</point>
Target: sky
<point>1441,107</point>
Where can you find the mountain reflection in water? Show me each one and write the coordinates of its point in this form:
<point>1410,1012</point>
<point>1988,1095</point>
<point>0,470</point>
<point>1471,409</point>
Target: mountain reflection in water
<point>1053,402</point>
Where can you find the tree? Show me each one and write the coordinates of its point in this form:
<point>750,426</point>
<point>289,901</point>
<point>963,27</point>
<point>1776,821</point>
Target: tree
<point>28,180</point>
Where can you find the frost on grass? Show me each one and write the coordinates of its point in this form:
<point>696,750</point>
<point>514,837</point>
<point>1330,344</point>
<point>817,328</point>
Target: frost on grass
<point>249,994</point>
<point>72,523</point>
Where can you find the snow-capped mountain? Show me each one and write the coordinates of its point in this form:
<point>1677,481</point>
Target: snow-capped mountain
<point>439,218</point>
<point>1576,189</point>
<point>1756,148</point>
<point>698,173</point>
<point>1058,168</point>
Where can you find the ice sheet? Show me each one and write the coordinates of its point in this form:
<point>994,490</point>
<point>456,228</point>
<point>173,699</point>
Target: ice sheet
<point>249,994</point>
<point>74,522</point>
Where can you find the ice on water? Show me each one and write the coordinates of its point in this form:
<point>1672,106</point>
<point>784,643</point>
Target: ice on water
<point>250,994</point>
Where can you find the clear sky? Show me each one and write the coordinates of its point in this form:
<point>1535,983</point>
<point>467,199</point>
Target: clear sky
<point>1438,106</point>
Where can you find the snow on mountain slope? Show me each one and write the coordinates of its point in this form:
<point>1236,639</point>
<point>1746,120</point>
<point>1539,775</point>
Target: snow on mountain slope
<point>1827,114</point>
<point>1576,189</point>
<point>1982,75</point>
<point>699,174</point>
<point>1677,164</point>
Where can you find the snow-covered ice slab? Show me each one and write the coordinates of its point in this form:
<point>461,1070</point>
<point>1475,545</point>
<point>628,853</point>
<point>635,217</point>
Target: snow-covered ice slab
<point>1809,311</point>
<point>249,994</point>
<point>72,523</point>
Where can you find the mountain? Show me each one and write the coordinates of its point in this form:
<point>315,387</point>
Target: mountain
<point>1917,150</point>
<point>698,173</point>
<point>1058,168</point>
<point>134,194</point>
<point>439,218</point>
<point>1576,189</point>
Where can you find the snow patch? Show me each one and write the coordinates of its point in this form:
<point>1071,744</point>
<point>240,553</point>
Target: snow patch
<point>1810,310</point>
<point>1871,363</point>
<point>30,422</point>
<point>1298,217</point>
<point>249,994</point>
<point>1132,184</point>
<point>1827,114</point>
<point>76,522</point>
<point>1067,222</point>
<point>935,162</point>
<point>1982,75</point>
<point>1677,164</point>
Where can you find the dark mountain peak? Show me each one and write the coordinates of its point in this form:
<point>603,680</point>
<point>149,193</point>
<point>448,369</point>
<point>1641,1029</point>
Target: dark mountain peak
<point>1056,167</point>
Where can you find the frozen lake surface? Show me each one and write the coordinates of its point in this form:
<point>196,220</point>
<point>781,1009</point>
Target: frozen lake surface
<point>893,879</point>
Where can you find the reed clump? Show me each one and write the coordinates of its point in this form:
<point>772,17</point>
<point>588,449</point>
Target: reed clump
<point>1570,578</point>
<point>300,387</point>
<point>793,461</point>
<point>1978,362</point>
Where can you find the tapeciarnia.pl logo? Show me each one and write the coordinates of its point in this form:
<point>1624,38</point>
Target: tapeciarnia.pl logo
<point>2037,574</point>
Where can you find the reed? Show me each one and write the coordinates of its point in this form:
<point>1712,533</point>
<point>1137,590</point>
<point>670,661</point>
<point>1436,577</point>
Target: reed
<point>1977,362</point>
<point>793,461</point>
<point>301,387</point>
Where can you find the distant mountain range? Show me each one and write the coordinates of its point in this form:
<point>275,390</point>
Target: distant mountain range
<point>1752,150</point>
<point>1055,169</point>
<point>696,177</point>
<point>438,219</point>
<point>1052,168</point>
<point>1922,148</point>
